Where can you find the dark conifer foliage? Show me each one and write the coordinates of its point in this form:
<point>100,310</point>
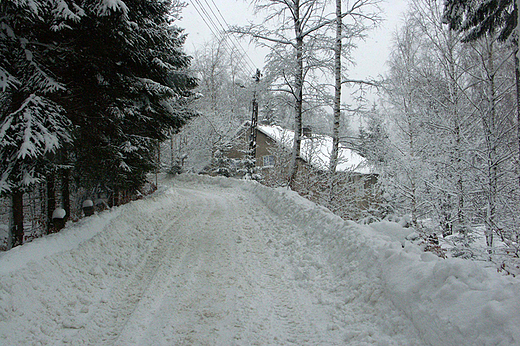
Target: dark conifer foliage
<point>88,87</point>
<point>32,124</point>
<point>477,18</point>
<point>128,85</point>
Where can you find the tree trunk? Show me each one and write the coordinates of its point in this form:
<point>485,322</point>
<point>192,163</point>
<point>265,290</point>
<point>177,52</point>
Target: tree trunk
<point>517,80</point>
<point>17,212</point>
<point>337,91</point>
<point>298,107</point>
<point>51,198</point>
<point>460,181</point>
<point>65,191</point>
<point>333,164</point>
<point>455,105</point>
<point>413,184</point>
<point>490,140</point>
<point>170,132</point>
<point>517,68</point>
<point>413,202</point>
<point>517,75</point>
<point>412,176</point>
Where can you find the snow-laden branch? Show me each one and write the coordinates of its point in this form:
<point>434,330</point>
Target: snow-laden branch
<point>351,12</point>
<point>7,80</point>
<point>360,81</point>
<point>257,33</point>
<point>107,7</point>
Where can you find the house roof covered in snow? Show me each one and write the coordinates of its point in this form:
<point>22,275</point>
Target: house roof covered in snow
<point>316,149</point>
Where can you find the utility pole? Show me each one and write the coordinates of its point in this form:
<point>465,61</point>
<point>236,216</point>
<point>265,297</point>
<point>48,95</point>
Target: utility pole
<point>254,124</point>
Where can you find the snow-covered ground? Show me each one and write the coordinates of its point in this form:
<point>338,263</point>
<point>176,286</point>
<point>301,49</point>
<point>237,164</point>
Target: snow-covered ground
<point>216,261</point>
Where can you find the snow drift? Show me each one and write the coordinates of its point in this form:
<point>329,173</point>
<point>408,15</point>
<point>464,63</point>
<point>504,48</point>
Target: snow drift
<point>450,301</point>
<point>45,282</point>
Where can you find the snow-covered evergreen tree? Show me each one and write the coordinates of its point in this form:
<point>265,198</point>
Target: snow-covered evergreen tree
<point>128,81</point>
<point>32,124</point>
<point>108,77</point>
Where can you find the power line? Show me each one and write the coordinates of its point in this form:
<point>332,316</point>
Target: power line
<point>203,13</point>
<point>233,37</point>
<point>211,23</point>
<point>226,28</point>
<point>220,31</point>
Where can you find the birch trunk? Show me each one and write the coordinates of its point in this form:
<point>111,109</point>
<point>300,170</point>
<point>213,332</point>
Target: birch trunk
<point>517,73</point>
<point>455,109</point>
<point>298,93</point>
<point>337,93</point>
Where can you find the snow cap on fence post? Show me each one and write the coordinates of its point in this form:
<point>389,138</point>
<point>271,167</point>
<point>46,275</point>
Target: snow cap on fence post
<point>59,218</point>
<point>88,207</point>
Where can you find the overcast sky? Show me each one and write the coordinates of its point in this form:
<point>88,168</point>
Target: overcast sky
<point>370,56</point>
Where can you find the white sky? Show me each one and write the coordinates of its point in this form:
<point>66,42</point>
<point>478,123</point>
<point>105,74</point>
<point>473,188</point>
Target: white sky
<point>370,56</point>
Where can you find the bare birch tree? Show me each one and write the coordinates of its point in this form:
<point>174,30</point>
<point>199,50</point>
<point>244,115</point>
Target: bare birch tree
<point>294,31</point>
<point>453,107</point>
<point>450,118</point>
<point>403,92</point>
<point>494,166</point>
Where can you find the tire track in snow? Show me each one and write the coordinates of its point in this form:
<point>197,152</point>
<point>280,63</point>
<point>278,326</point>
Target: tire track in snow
<point>292,317</point>
<point>227,270</point>
<point>224,289</point>
<point>200,289</point>
<point>113,312</point>
<point>178,273</point>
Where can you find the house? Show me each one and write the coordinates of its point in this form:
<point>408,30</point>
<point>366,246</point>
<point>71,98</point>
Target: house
<point>315,149</point>
<point>352,193</point>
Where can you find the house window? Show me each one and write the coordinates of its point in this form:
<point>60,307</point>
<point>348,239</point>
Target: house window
<point>268,161</point>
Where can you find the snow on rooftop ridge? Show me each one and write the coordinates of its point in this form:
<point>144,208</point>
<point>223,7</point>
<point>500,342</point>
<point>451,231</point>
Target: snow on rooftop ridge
<point>317,150</point>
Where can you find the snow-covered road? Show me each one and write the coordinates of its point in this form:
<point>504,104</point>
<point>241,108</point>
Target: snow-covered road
<point>228,271</point>
<point>207,262</point>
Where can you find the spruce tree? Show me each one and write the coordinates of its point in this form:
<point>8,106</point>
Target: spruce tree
<point>107,77</point>
<point>477,18</point>
<point>128,86</point>
<point>32,124</point>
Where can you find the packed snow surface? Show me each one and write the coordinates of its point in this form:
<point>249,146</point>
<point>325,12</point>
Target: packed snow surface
<point>216,261</point>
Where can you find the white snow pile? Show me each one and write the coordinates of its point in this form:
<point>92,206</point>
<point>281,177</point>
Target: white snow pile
<point>449,301</point>
<point>45,282</point>
<point>87,203</point>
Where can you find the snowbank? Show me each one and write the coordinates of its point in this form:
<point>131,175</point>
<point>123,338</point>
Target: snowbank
<point>68,239</point>
<point>79,265</point>
<point>450,301</point>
